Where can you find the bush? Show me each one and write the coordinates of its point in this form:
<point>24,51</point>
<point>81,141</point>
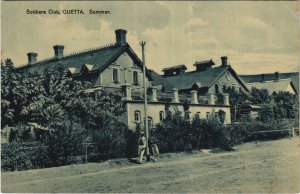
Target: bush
<point>63,143</point>
<point>210,133</point>
<point>109,141</point>
<point>23,156</point>
<point>172,134</point>
<point>132,141</point>
<point>177,134</point>
<point>20,133</point>
<point>250,130</point>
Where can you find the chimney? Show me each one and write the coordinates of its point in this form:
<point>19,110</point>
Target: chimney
<point>32,58</point>
<point>194,97</point>
<point>120,37</point>
<point>263,78</point>
<point>276,75</point>
<point>58,51</point>
<point>175,97</point>
<point>224,60</point>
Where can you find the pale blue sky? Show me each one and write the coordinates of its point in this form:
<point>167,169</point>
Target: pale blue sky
<point>257,37</point>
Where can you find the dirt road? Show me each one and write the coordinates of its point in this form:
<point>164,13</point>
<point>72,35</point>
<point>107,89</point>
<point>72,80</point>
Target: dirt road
<point>272,166</point>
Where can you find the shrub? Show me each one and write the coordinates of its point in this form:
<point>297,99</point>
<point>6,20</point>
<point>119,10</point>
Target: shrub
<point>177,134</point>
<point>132,141</point>
<point>63,142</point>
<point>172,134</point>
<point>210,133</point>
<point>249,130</point>
<point>23,156</point>
<point>109,141</point>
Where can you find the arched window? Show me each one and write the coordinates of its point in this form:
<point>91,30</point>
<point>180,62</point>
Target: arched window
<point>216,115</point>
<point>150,123</point>
<point>169,114</point>
<point>224,88</point>
<point>161,115</point>
<point>207,115</point>
<point>216,88</point>
<point>135,78</point>
<point>115,75</point>
<point>187,115</point>
<point>198,114</point>
<point>137,116</point>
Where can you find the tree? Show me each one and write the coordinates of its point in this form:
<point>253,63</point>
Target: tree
<point>260,96</point>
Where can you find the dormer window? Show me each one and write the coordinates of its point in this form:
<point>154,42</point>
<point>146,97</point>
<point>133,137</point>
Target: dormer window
<point>115,75</point>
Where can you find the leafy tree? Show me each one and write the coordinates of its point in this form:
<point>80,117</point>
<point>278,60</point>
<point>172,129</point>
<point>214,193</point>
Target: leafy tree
<point>266,113</point>
<point>259,96</point>
<point>286,105</point>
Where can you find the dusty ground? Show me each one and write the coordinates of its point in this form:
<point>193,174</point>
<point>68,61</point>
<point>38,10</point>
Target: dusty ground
<point>273,166</point>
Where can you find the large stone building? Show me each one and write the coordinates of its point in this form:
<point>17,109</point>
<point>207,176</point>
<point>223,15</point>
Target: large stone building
<point>110,66</point>
<point>117,67</point>
<point>274,82</point>
<point>204,79</point>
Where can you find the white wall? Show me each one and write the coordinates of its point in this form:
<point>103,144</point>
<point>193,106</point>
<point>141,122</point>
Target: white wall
<point>125,65</point>
<point>155,108</point>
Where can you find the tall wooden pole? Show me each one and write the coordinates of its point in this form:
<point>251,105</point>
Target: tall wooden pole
<point>143,43</point>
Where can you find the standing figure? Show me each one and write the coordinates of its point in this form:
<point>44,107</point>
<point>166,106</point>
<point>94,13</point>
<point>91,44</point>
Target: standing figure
<point>142,147</point>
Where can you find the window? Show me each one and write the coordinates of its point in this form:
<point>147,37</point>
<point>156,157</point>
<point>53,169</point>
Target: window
<point>169,113</point>
<point>207,115</point>
<point>187,115</point>
<point>150,123</point>
<point>161,115</point>
<point>198,114</point>
<point>115,75</point>
<point>137,116</point>
<point>224,88</point>
<point>216,115</point>
<point>240,89</point>
<point>216,88</point>
<point>135,78</point>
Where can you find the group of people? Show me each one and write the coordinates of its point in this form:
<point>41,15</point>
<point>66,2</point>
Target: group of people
<point>142,147</point>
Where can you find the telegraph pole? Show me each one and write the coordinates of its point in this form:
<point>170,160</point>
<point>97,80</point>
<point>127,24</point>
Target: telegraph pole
<point>143,43</point>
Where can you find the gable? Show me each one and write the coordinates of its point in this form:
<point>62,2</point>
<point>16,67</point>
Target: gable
<point>126,61</point>
<point>228,79</point>
<point>273,86</point>
<point>290,89</point>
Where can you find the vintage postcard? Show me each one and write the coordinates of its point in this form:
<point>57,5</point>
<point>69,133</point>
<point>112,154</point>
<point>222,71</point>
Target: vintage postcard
<point>150,97</point>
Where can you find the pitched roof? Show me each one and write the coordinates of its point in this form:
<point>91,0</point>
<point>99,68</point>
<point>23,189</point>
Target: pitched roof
<point>99,57</point>
<point>268,77</point>
<point>187,80</point>
<point>272,86</point>
<point>159,80</point>
<point>93,59</point>
<point>201,79</point>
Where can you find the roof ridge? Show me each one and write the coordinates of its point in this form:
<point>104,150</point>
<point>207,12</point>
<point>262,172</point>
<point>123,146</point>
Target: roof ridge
<point>74,53</point>
<point>272,80</point>
<point>295,72</point>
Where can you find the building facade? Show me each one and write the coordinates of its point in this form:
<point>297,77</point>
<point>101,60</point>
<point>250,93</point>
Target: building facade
<point>158,109</point>
<point>275,82</point>
<point>110,66</point>
<point>117,67</point>
<point>204,79</point>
